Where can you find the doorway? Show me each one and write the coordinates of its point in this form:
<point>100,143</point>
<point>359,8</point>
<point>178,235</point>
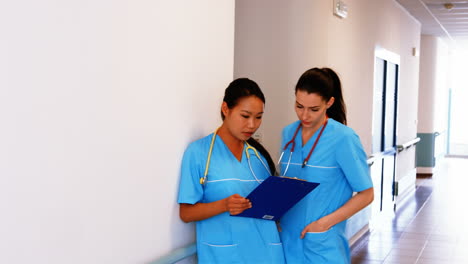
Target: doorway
<point>384,127</point>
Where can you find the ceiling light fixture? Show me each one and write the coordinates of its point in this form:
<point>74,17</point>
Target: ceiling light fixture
<point>448,6</point>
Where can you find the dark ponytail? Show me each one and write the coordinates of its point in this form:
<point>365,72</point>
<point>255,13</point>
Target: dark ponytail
<point>326,83</point>
<point>241,88</point>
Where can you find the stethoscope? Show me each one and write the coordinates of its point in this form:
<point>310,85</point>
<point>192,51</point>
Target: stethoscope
<point>293,146</point>
<point>247,153</point>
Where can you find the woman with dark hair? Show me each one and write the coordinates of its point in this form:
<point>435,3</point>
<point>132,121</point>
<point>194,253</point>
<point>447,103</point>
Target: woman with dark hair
<point>330,153</point>
<point>217,174</point>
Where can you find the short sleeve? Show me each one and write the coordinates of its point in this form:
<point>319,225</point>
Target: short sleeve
<point>190,189</point>
<point>352,159</point>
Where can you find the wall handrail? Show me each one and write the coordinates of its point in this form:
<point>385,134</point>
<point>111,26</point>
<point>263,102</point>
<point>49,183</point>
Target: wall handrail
<point>177,255</point>
<point>379,155</point>
<point>408,144</point>
<point>373,157</point>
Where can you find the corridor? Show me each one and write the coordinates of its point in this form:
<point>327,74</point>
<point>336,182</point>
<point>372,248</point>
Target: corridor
<point>430,227</point>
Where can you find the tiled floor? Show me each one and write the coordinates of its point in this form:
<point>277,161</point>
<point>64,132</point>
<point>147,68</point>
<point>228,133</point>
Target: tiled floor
<point>431,226</point>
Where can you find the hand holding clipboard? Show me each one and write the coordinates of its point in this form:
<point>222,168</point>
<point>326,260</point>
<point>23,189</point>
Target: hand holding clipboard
<point>276,195</point>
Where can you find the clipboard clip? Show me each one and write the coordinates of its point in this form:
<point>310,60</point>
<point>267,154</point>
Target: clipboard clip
<point>294,178</point>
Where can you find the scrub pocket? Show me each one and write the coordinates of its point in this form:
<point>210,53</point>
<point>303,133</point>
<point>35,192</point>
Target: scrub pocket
<point>276,253</point>
<point>323,247</point>
<point>211,253</point>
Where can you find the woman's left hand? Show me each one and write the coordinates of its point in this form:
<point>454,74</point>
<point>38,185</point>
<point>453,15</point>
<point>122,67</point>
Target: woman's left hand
<point>314,227</point>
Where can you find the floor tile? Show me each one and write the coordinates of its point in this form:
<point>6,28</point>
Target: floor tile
<point>430,227</point>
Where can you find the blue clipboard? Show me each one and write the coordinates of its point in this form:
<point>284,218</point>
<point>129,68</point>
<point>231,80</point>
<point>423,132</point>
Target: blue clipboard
<point>276,195</point>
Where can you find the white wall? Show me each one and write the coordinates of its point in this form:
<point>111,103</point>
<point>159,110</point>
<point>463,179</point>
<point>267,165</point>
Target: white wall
<point>434,85</point>
<point>434,93</point>
<point>442,98</point>
<point>276,41</point>
<point>408,41</point>
<point>98,100</point>
<point>428,84</point>
<point>458,83</point>
<point>442,86</point>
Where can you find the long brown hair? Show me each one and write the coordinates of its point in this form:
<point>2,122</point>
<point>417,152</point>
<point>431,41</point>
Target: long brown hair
<point>326,83</point>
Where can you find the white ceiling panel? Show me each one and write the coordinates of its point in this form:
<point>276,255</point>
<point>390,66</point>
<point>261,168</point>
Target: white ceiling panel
<point>442,18</point>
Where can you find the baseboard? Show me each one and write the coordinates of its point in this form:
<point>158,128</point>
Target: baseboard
<point>423,175</point>
<point>406,183</point>
<point>405,186</point>
<point>358,235</point>
<point>425,170</point>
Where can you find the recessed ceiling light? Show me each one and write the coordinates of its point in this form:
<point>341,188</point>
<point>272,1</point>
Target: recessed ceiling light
<point>448,6</point>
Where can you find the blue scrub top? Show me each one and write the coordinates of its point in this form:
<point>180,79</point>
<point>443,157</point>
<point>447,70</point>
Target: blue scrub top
<point>224,238</point>
<point>339,164</point>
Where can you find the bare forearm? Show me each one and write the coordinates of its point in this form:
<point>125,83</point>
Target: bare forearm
<point>354,205</point>
<point>234,204</point>
<point>201,211</point>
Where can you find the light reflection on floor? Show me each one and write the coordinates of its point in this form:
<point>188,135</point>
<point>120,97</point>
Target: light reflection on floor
<point>430,228</point>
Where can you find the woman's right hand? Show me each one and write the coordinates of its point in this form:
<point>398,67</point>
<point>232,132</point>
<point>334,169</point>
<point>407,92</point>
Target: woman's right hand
<point>236,204</point>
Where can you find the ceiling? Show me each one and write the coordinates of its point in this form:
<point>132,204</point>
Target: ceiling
<point>442,18</point>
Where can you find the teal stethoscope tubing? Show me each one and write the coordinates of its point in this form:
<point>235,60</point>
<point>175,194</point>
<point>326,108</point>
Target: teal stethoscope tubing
<point>203,179</point>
